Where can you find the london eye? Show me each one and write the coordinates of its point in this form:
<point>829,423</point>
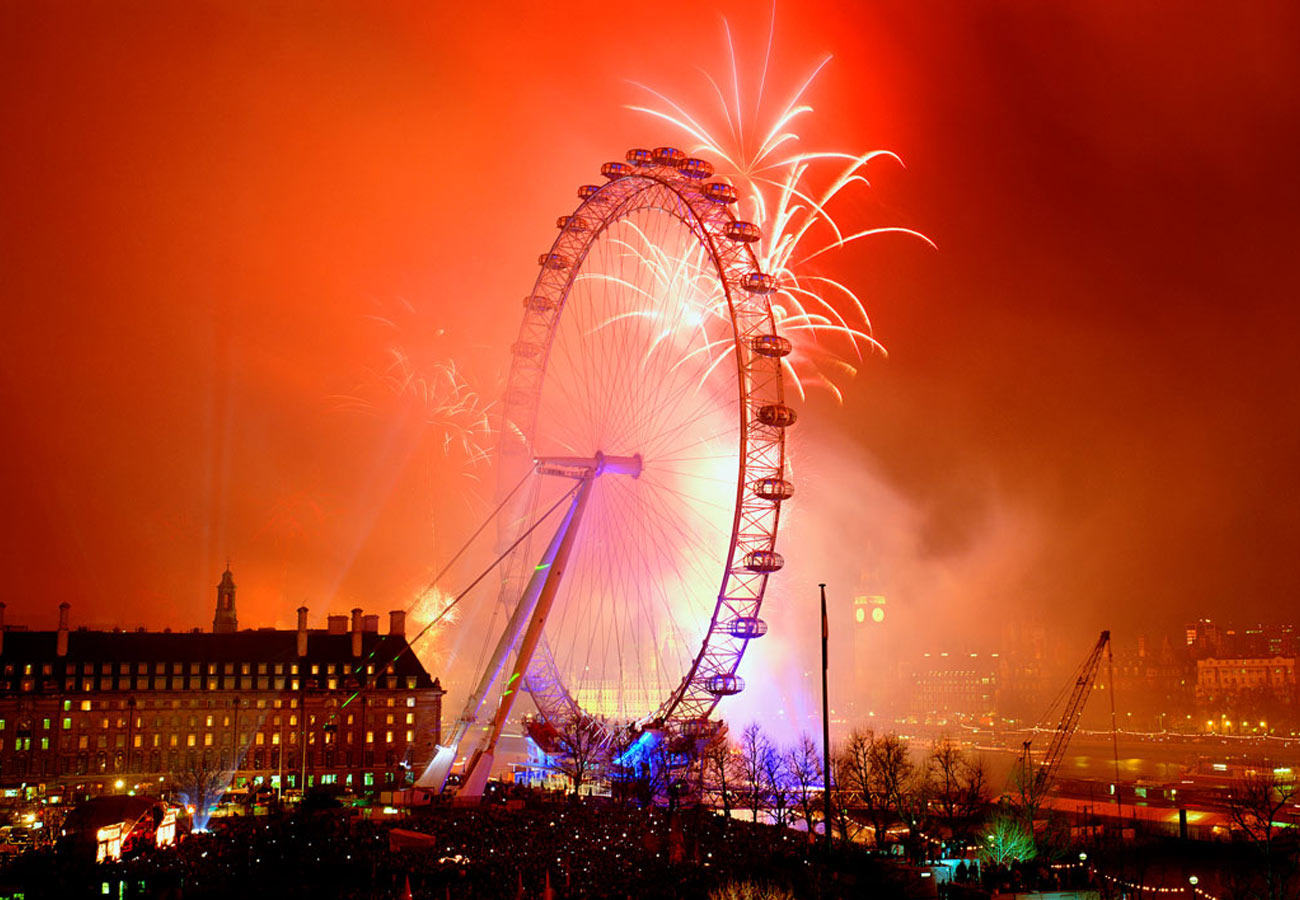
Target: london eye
<point>644,420</point>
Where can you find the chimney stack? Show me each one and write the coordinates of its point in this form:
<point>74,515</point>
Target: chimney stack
<point>336,624</point>
<point>356,632</point>
<point>62,645</point>
<point>370,624</point>
<point>302,631</point>
<point>396,622</point>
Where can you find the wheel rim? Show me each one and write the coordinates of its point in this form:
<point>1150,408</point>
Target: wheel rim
<point>645,333</point>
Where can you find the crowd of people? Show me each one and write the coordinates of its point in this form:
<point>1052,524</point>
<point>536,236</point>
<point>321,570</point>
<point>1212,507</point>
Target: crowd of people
<point>576,850</point>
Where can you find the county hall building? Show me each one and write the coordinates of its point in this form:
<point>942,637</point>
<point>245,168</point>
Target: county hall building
<point>344,705</point>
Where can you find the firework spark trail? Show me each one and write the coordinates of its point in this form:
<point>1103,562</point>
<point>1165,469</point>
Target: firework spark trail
<point>435,388</point>
<point>817,312</point>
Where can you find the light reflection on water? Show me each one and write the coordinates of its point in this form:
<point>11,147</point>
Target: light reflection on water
<point>1137,761</point>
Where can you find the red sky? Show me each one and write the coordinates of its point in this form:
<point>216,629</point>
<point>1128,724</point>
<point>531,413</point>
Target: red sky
<point>1089,411</point>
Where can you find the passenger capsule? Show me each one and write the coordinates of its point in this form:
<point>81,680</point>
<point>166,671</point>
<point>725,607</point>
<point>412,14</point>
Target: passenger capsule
<point>747,628</point>
<point>758,282</point>
<point>539,304</point>
<point>573,223</point>
<point>773,489</point>
<point>587,191</point>
<point>777,415</point>
<point>724,684</point>
<point>698,169</point>
<point>772,345</point>
<point>612,170</point>
<point>720,192</point>
<point>526,349</point>
<point>745,232</point>
<point>553,261</point>
<point>669,157</point>
<point>638,157</point>
<point>764,561</point>
<point>696,728</point>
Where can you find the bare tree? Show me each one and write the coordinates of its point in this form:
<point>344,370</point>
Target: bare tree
<point>958,785</point>
<point>859,783</point>
<point>804,764</point>
<point>891,771</point>
<point>1254,803</point>
<point>582,746</point>
<point>719,761</point>
<point>754,749</point>
<point>842,796</point>
<point>201,781</point>
<point>776,777</point>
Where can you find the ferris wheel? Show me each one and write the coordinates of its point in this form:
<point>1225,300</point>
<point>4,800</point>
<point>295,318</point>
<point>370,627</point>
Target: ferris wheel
<point>645,411</point>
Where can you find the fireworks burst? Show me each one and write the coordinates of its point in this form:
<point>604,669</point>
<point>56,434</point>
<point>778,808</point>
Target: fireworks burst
<point>433,610</point>
<point>424,384</point>
<point>822,316</point>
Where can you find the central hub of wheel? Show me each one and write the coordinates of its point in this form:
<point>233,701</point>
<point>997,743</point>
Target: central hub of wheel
<point>588,466</point>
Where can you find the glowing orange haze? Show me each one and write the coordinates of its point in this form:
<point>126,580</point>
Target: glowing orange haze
<point>1089,409</point>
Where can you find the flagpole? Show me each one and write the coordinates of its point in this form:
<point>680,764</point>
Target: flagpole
<point>826,731</point>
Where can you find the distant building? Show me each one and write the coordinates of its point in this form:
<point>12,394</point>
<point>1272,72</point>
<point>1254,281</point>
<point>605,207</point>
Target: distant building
<point>1153,690</point>
<point>342,706</point>
<point>957,687</point>
<point>1244,694</point>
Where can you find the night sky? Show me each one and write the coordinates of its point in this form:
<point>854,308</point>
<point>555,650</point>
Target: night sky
<point>220,219</point>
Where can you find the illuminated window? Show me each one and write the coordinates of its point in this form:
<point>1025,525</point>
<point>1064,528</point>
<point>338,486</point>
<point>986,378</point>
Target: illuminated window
<point>67,723</point>
<point>275,739</point>
<point>370,737</point>
<point>388,737</point>
<point>410,682</point>
<point>410,701</point>
<point>173,740</point>
<point>410,718</point>
<point>138,741</point>
<point>261,739</point>
<point>191,740</point>
<point>410,737</point>
<point>333,684</point>
<point>293,720</point>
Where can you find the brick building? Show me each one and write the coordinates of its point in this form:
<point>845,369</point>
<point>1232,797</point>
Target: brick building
<point>344,705</point>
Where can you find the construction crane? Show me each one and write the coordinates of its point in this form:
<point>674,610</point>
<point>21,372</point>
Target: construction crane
<point>1034,785</point>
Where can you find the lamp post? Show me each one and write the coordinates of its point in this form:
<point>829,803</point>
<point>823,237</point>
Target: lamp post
<point>826,732</point>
